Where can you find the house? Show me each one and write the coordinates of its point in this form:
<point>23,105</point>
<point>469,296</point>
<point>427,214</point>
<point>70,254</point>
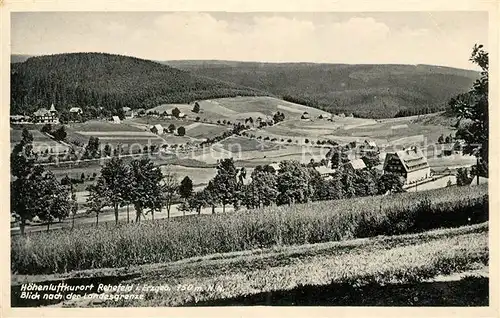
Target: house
<point>129,114</point>
<point>410,164</point>
<point>126,109</point>
<point>370,144</point>
<point>478,180</point>
<point>19,119</point>
<point>354,165</point>
<point>116,120</point>
<point>157,129</point>
<point>182,115</point>
<point>275,165</point>
<point>324,171</point>
<point>75,111</point>
<point>45,116</point>
<point>305,115</point>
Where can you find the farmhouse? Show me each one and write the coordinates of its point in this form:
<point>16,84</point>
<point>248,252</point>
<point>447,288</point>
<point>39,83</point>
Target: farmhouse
<point>45,116</point>
<point>354,165</point>
<point>115,120</point>
<point>75,111</point>
<point>325,171</point>
<point>157,129</point>
<point>275,165</point>
<point>19,119</point>
<point>410,164</point>
<point>129,114</point>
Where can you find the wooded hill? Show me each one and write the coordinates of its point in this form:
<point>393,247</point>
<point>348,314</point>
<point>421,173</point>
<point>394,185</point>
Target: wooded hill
<point>108,81</point>
<point>374,91</point>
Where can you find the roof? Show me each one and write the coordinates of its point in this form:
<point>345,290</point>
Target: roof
<point>182,114</point>
<point>158,127</point>
<point>116,119</point>
<point>324,170</point>
<point>126,109</point>
<point>275,165</point>
<point>75,109</point>
<point>412,159</point>
<point>52,108</point>
<point>42,112</point>
<point>357,164</point>
<point>482,180</point>
<point>371,143</point>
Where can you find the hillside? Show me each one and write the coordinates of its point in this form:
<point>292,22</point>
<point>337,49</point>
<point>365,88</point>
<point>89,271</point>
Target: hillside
<point>108,81</point>
<point>374,91</point>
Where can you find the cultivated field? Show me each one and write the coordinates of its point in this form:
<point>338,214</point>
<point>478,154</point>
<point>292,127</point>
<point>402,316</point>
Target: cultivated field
<point>239,108</point>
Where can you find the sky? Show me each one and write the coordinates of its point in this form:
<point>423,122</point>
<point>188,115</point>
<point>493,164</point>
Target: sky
<point>437,38</point>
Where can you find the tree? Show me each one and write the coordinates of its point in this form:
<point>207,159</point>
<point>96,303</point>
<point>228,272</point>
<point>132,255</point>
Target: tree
<point>146,189</point>
<point>181,131</point>
<point>107,150</point>
<point>261,191</point>
<point>390,183</point>
<point>196,108</point>
<point>371,159</point>
<point>463,177</point>
<point>34,191</point>
<point>47,128</point>
<point>447,139</point>
<point>115,176</point>
<point>473,107</point>
<point>92,148</point>
<point>225,183</point>
<point>54,199</point>
<point>441,139</point>
<point>170,186</point>
<point>27,137</point>
<point>198,200</point>
<point>176,112</point>
<point>97,198</point>
<point>60,134</point>
<point>186,188</point>
<point>293,183</point>
<point>171,128</point>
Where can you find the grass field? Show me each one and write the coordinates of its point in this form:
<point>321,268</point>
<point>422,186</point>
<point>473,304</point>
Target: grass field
<point>404,270</point>
<point>315,222</point>
<point>248,279</point>
<point>102,126</point>
<point>239,108</point>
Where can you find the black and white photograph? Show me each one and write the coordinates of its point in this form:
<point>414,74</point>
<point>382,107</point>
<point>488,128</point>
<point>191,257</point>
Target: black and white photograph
<point>225,158</point>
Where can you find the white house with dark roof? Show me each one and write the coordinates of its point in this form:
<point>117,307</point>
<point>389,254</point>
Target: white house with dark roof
<point>157,129</point>
<point>410,164</point>
<point>75,110</point>
<point>356,164</point>
<point>325,171</point>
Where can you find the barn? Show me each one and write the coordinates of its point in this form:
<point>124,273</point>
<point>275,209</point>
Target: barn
<point>410,164</point>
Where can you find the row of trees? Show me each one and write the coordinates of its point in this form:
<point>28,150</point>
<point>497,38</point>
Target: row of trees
<point>293,183</point>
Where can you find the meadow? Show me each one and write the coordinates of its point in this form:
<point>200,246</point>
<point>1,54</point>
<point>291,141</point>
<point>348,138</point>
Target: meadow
<point>316,222</point>
<point>332,273</point>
